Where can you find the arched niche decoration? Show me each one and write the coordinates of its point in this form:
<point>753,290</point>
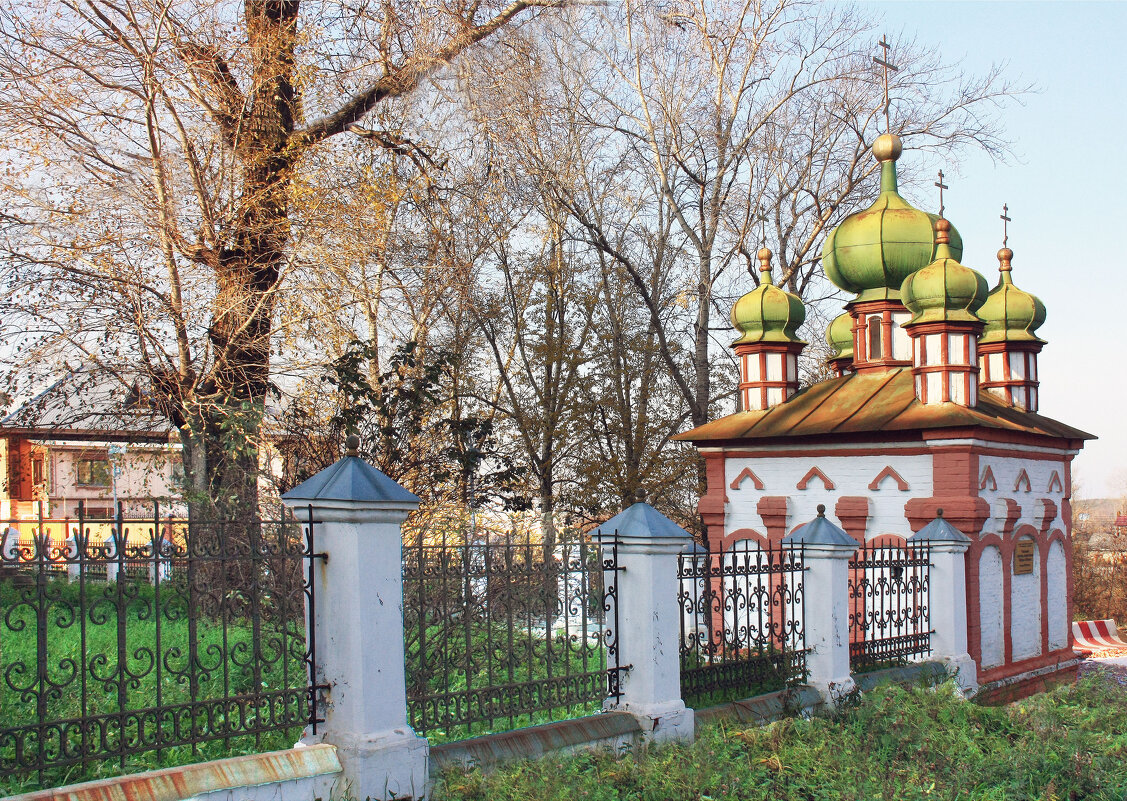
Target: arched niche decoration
<point>1026,600</point>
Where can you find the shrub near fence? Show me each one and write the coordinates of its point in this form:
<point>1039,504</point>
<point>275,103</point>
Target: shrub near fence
<point>505,630</point>
<point>197,652</point>
<point>742,621</point>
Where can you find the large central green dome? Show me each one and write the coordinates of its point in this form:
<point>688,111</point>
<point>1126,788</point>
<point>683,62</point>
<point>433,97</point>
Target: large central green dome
<point>873,251</point>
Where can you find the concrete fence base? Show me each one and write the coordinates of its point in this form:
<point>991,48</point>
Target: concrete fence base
<point>296,773</point>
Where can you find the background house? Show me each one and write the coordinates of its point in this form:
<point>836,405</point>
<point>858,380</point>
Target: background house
<point>84,439</point>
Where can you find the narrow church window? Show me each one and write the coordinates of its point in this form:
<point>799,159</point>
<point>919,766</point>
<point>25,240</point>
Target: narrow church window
<point>874,338</point>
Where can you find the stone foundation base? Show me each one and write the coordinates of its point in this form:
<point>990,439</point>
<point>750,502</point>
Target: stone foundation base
<point>1023,685</point>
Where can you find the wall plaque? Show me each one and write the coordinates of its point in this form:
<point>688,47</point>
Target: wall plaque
<point>1023,557</point>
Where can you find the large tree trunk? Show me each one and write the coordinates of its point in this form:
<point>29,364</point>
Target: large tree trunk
<point>248,269</point>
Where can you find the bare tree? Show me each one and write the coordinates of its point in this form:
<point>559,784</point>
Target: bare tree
<point>157,149</point>
<point>700,131</point>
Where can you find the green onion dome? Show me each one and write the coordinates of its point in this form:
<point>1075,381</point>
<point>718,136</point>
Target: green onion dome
<point>767,313</point>
<point>839,336</point>
<point>944,291</point>
<point>873,251</point>
<point>1011,314</point>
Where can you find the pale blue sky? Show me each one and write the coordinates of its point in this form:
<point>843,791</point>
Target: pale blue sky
<point>1066,187</point>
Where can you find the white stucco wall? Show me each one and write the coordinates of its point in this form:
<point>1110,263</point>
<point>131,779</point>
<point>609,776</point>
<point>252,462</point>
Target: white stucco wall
<point>991,603</point>
<point>1025,609</point>
<point>850,475</point>
<point>1057,603</point>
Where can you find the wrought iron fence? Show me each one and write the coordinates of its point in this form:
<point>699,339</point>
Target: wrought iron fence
<point>127,637</point>
<point>506,629</point>
<point>889,602</point>
<point>742,621</point>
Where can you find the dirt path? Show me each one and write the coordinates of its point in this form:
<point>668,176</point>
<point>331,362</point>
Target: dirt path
<point>1114,669</point>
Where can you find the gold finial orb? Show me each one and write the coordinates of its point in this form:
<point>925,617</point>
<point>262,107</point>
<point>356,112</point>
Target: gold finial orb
<point>888,147</point>
<point>942,231</point>
<point>764,256</point>
<point>1005,256</point>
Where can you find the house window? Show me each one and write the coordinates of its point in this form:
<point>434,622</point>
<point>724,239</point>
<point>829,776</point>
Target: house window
<point>37,476</point>
<point>92,472</point>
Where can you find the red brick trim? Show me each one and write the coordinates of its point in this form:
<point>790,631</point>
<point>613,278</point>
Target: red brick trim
<point>1025,665</point>
<point>888,472</point>
<point>954,470</point>
<point>1045,512</point>
<point>746,473</point>
<point>967,513</point>
<point>1022,476</point>
<point>1054,479</point>
<point>815,472</point>
<point>773,511</point>
<point>712,504</point>
<point>988,480</point>
<point>1013,512</point>
<point>742,534</point>
<point>853,511</point>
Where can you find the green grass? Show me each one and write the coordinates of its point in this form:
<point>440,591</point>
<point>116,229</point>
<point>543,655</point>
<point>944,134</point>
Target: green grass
<point>219,646</point>
<point>896,744</point>
<point>483,656</point>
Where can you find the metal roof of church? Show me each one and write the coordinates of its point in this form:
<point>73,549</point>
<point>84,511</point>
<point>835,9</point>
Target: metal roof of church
<point>873,402</point>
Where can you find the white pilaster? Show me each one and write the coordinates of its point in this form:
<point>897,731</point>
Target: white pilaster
<point>649,621</point>
<point>359,625</point>
<point>948,610</point>
<point>826,596</point>
<point>826,552</point>
<point>947,607</point>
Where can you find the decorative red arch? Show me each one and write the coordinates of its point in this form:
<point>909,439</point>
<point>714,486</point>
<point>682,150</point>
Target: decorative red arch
<point>744,475</point>
<point>1054,481</point>
<point>988,480</point>
<point>888,472</point>
<point>1022,478</point>
<point>815,472</point>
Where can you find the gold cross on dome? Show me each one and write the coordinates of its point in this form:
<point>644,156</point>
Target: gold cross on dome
<point>1005,224</point>
<point>941,186</point>
<point>887,65</point>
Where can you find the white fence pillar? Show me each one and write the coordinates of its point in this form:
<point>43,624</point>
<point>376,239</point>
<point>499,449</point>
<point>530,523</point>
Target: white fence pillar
<point>649,620</point>
<point>358,615</point>
<point>826,553</point>
<point>947,606</point>
<point>73,565</point>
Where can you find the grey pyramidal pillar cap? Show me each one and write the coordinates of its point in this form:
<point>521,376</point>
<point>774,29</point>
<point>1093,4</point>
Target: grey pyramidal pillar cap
<point>819,531</point>
<point>351,479</point>
<point>642,522</point>
<point>939,530</point>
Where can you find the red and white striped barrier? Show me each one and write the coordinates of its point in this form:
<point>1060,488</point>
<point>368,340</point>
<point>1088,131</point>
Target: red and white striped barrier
<point>1098,638</point>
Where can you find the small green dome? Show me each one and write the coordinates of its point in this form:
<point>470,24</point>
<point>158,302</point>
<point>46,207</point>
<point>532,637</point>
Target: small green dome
<point>944,291</point>
<point>839,336</point>
<point>767,313</point>
<point>873,251</point>
<point>1011,314</point>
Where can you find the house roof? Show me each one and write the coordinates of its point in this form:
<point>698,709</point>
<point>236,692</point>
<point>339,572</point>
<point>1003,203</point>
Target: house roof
<point>864,403</point>
<point>88,403</point>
